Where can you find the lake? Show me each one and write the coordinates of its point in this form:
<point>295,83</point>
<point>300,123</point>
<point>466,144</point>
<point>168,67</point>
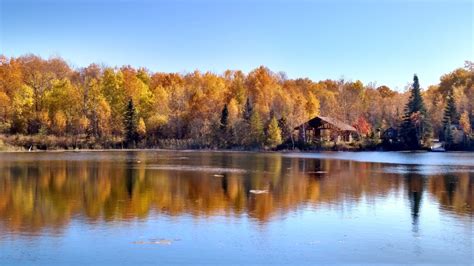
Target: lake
<point>179,207</point>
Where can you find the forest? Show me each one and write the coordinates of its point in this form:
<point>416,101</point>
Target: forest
<point>47,104</point>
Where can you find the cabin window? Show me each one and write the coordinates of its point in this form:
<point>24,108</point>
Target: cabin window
<point>326,134</point>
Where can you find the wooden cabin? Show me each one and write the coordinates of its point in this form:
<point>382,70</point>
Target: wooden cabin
<point>322,128</point>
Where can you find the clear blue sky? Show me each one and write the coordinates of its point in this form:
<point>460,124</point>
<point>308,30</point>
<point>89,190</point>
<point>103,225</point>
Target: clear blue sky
<point>381,41</point>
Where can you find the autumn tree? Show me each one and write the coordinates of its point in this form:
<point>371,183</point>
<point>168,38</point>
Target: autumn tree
<point>234,121</point>
<point>256,133</point>
<point>363,126</point>
<point>460,84</point>
<point>141,129</point>
<point>465,123</point>
<point>39,75</point>
<point>23,109</point>
<point>262,85</point>
<point>96,108</point>
<point>349,100</point>
<point>59,123</point>
<point>115,95</point>
<point>273,137</point>
<point>155,126</point>
<point>64,97</point>
<point>135,85</point>
<point>385,92</point>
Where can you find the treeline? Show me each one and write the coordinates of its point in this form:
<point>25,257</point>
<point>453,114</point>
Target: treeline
<point>109,107</point>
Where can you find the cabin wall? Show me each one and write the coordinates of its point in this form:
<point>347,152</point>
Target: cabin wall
<point>317,130</point>
<point>324,134</point>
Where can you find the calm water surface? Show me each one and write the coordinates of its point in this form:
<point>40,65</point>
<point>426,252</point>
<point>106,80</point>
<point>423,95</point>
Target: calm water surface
<point>150,207</point>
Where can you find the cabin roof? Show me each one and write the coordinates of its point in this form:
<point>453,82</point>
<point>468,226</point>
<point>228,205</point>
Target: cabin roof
<point>314,122</point>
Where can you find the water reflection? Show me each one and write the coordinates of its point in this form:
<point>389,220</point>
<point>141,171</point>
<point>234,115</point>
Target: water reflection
<point>415,186</point>
<point>48,191</point>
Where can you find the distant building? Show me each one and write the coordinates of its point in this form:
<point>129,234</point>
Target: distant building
<point>390,135</point>
<point>322,128</point>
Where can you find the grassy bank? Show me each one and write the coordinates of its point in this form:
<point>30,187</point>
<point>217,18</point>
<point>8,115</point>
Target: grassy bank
<point>51,142</point>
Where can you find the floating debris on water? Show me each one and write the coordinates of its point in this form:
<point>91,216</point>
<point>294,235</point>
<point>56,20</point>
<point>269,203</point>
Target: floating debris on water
<point>195,168</point>
<point>318,172</point>
<point>258,191</point>
<point>154,242</point>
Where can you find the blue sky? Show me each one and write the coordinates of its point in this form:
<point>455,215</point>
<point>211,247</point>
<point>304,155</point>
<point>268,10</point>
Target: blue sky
<point>374,41</point>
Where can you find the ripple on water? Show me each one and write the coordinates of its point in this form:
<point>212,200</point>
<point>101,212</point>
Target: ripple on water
<point>192,168</point>
<point>426,169</point>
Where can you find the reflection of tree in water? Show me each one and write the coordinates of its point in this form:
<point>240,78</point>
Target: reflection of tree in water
<point>131,161</point>
<point>450,184</point>
<point>224,184</point>
<point>48,193</point>
<point>454,192</point>
<point>415,187</point>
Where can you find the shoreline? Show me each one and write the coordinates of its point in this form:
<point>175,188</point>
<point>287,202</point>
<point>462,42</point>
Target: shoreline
<point>224,151</point>
<point>28,143</point>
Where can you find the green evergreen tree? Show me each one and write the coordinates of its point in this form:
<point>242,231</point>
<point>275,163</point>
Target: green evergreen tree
<point>448,133</point>
<point>224,134</point>
<point>450,116</point>
<point>256,130</point>
<point>450,111</point>
<point>285,127</point>
<point>273,133</point>
<point>224,118</point>
<point>130,122</point>
<point>248,110</point>
<point>415,125</point>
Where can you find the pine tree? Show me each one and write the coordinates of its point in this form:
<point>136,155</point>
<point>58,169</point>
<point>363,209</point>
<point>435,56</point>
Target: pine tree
<point>224,119</point>
<point>130,122</point>
<point>450,117</point>
<point>415,125</point>
<point>448,133</point>
<point>450,111</point>
<point>248,110</point>
<point>273,133</point>
<point>222,135</point>
<point>256,130</point>
<point>285,128</point>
